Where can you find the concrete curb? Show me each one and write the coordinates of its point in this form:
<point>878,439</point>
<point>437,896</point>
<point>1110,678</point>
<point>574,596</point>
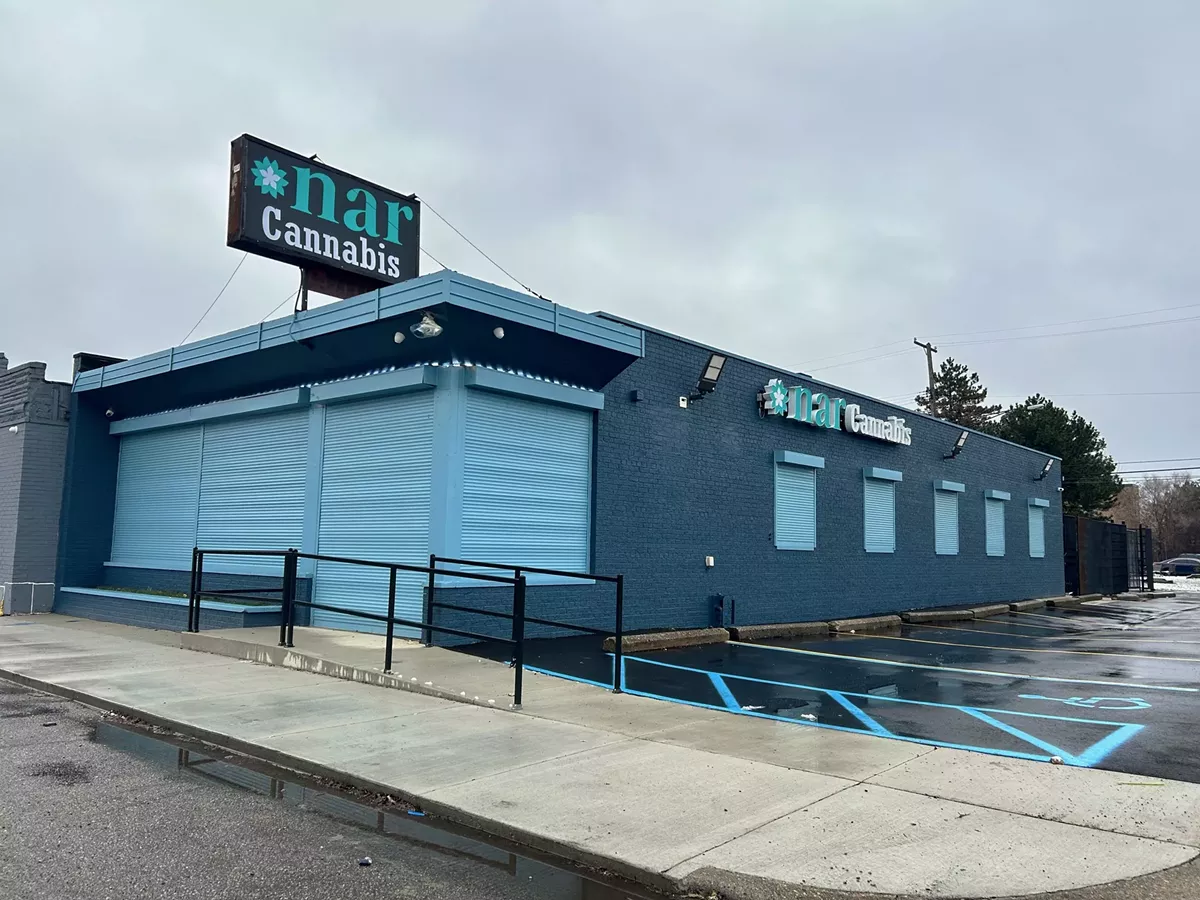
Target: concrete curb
<point>1157,595</point>
<point>291,658</point>
<point>868,623</point>
<point>1063,602</point>
<point>542,843</point>
<point>1026,605</point>
<point>787,629</point>
<point>666,640</point>
<point>923,616</point>
<point>988,610</point>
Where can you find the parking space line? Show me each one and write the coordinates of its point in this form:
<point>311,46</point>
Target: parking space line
<point>978,630</point>
<point>908,665</point>
<point>894,637</point>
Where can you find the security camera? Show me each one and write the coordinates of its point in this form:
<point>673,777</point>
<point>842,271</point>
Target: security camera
<point>1060,490</point>
<point>108,414</point>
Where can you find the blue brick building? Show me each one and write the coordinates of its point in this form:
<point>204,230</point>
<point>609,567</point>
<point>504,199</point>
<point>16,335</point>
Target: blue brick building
<point>446,415</point>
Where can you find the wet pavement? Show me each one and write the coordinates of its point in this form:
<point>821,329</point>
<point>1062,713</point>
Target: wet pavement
<point>1113,685</point>
<point>91,807</point>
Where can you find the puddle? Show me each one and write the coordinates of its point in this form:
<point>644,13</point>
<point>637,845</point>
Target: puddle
<point>535,877</point>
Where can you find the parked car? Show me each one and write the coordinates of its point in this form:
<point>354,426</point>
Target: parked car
<point>1179,565</point>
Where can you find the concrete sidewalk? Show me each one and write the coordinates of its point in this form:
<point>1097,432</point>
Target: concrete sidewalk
<point>663,793</point>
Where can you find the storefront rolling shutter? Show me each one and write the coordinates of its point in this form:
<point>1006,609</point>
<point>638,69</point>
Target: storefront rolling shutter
<point>879,515</point>
<point>252,489</point>
<point>945,522</point>
<point>527,483</point>
<point>1037,532</point>
<point>795,507</point>
<point>158,481</point>
<point>375,496</point>
<point>994,520</point>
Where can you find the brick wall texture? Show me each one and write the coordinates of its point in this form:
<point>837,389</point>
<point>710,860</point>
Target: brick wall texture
<point>673,485</point>
<point>31,473</point>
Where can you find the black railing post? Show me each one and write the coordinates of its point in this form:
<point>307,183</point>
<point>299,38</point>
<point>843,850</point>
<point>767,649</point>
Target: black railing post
<point>619,639</point>
<point>292,564</point>
<point>289,595</point>
<point>391,622</point>
<point>426,633</point>
<point>519,639</point>
<point>199,590</point>
<point>192,591</point>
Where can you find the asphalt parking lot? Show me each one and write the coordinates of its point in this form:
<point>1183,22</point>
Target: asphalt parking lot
<point>1111,684</point>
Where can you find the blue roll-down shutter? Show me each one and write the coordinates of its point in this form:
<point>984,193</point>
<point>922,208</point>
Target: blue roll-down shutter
<point>1037,532</point>
<point>945,522</point>
<point>376,467</point>
<point>158,485</point>
<point>795,507</point>
<point>879,515</point>
<point>527,483</point>
<point>252,480</point>
<point>994,521</point>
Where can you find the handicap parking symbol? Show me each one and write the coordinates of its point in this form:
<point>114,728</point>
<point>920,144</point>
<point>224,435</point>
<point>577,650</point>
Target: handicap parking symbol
<point>1094,702</point>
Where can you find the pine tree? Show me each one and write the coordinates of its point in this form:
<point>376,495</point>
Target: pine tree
<point>1089,474</point>
<point>959,396</point>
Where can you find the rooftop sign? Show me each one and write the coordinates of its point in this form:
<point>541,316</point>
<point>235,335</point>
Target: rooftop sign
<point>823,411</point>
<point>352,234</point>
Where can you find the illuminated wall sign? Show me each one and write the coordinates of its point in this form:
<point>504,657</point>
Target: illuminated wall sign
<point>823,411</point>
<point>354,234</point>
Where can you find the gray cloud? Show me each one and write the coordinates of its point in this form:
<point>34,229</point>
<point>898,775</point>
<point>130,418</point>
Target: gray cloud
<point>790,181</point>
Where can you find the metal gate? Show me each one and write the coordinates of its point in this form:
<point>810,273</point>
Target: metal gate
<point>1141,559</point>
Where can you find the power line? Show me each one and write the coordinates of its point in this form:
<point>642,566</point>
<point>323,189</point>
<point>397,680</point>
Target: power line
<point>1135,462</point>
<point>1030,337</point>
<point>1145,312</point>
<point>283,301</point>
<point>434,258</point>
<point>216,298</point>
<point>855,352</point>
<point>856,361</point>
<point>523,285</point>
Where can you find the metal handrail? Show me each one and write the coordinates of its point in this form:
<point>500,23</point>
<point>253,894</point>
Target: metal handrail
<point>287,623</point>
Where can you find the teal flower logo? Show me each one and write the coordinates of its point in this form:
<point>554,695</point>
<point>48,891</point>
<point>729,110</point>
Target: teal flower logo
<point>775,398</point>
<point>268,175</point>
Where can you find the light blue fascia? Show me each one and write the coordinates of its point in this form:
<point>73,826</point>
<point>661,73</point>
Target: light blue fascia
<point>385,303</point>
<point>449,453</point>
<point>882,474</point>
<point>791,458</point>
<point>1037,501</point>
<point>954,486</point>
<point>173,601</point>
<point>997,495</point>
<point>312,488</point>
<point>402,381</point>
<point>292,398</point>
<point>548,391</point>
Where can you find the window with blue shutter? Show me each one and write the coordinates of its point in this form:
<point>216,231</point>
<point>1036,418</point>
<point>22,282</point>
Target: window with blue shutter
<point>1037,529</point>
<point>527,483</point>
<point>879,510</point>
<point>158,486</point>
<point>252,481</point>
<point>796,500</point>
<point>994,523</point>
<point>945,517</point>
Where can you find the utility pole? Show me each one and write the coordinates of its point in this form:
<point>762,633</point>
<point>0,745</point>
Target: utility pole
<point>929,351</point>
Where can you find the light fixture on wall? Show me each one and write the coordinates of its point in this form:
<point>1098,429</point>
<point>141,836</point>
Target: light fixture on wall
<point>14,428</point>
<point>1046,469</point>
<point>958,445</point>
<point>709,376</point>
<point>398,337</point>
<point>498,332</point>
<point>427,327</point>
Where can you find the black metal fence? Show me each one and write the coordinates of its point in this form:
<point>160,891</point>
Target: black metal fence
<point>1102,557</point>
<point>618,630</point>
<point>289,602</point>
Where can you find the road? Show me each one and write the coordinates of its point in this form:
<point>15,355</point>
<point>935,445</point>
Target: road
<point>90,810</point>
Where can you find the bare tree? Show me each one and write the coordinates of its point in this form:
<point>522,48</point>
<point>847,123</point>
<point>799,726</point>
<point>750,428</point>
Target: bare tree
<point>1170,504</point>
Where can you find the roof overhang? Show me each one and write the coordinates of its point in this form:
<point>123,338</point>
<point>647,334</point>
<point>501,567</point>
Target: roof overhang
<point>350,336</point>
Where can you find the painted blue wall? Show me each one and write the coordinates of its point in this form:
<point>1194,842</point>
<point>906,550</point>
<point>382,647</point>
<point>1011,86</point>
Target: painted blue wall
<point>674,485</point>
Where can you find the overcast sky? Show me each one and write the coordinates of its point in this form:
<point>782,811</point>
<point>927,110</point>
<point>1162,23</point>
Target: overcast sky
<point>794,181</point>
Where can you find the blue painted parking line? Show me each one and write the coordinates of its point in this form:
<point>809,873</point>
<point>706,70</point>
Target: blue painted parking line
<point>1091,756</point>
<point>987,672</point>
